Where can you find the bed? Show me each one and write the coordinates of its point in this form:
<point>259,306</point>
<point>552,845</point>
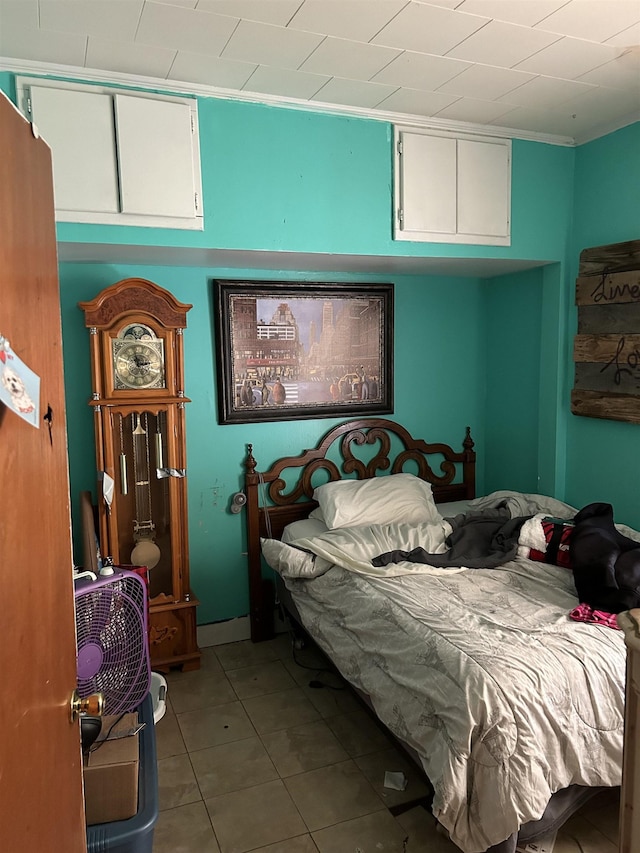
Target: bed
<point>513,710</point>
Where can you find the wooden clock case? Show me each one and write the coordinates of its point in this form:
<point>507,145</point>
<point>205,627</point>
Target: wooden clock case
<point>140,444</point>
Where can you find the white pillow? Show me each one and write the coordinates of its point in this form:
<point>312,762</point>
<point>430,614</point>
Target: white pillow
<point>380,500</point>
<point>291,561</point>
<point>304,529</point>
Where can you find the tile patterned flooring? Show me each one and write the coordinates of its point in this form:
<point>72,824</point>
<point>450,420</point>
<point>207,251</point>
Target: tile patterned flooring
<point>250,758</point>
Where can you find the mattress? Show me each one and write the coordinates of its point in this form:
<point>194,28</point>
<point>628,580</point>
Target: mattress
<point>505,699</point>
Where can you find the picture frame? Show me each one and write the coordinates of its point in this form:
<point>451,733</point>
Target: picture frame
<point>302,349</point>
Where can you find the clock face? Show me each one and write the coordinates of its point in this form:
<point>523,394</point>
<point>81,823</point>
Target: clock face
<point>138,364</point>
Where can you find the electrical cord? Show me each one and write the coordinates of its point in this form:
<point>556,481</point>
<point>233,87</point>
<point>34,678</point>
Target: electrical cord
<point>96,746</point>
<point>306,666</point>
<point>315,683</point>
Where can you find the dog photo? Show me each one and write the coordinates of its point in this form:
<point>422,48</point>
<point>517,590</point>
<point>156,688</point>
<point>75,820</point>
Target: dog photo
<point>19,387</point>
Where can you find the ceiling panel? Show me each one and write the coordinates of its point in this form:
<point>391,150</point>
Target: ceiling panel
<point>129,58</point>
<point>187,4</point>
<point>568,58</point>
<point>269,45</point>
<point>21,36</point>
<point>486,82</point>
<point>502,44</point>
<point>514,11</point>
<point>184,29</point>
<point>352,92</point>
<point>472,109</point>
<point>420,71</point>
<point>626,38</point>
<point>508,63</point>
<point>358,20</point>
<point>279,81</point>
<point>601,102</point>
<point>527,119</point>
<point>429,29</point>
<point>212,71</point>
<point>98,18</point>
<point>575,116</point>
<point>592,19</point>
<point>417,102</point>
<point>545,92</point>
<point>278,12</point>
<point>621,73</point>
<point>342,58</point>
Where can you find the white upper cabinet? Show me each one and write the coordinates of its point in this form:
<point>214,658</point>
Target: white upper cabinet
<point>78,127</point>
<point>452,188</point>
<point>119,157</point>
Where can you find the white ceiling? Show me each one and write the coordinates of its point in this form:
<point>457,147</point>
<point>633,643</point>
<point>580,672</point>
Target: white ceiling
<point>569,68</point>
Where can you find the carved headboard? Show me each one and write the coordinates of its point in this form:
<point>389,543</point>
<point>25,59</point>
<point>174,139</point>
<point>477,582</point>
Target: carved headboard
<point>274,501</point>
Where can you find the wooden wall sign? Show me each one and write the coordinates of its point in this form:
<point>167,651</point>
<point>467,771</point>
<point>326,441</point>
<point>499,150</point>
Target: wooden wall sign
<point>606,349</point>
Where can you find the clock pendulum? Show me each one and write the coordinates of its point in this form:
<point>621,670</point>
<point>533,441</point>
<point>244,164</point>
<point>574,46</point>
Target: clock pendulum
<point>124,480</point>
<point>145,552</point>
<point>159,445</point>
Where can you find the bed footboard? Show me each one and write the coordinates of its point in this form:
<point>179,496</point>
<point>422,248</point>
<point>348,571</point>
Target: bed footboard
<point>629,808</point>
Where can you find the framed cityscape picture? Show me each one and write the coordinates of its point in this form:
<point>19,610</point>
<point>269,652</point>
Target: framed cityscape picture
<point>293,350</point>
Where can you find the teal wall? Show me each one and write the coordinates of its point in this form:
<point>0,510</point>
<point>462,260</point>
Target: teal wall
<point>493,354</point>
<point>439,390</point>
<point>7,84</point>
<point>525,331</point>
<point>525,322</point>
<point>512,323</point>
<point>603,456</point>
<point>292,181</point>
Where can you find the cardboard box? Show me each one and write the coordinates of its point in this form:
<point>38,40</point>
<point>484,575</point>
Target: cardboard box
<point>111,772</point>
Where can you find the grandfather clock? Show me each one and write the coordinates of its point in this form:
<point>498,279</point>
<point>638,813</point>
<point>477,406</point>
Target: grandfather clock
<point>137,367</point>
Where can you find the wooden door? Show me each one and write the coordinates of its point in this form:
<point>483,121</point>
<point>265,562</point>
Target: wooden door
<point>41,799</point>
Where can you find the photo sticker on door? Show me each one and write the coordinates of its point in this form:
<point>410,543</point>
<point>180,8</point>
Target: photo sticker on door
<point>19,386</point>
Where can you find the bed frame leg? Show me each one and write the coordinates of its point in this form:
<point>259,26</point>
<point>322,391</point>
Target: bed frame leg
<point>297,634</point>
<point>261,616</point>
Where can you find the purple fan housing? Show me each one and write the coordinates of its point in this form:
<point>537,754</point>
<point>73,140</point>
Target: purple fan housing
<point>112,640</point>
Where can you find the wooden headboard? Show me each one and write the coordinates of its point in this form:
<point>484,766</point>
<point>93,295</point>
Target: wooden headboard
<point>273,501</point>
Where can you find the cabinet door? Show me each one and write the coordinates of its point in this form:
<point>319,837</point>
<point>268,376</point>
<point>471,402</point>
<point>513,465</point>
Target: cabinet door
<point>155,157</point>
<point>483,188</point>
<point>428,184</point>
<point>118,158</point>
<point>78,127</point>
<point>452,189</point>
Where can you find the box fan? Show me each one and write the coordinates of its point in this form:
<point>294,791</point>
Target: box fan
<point>112,641</point>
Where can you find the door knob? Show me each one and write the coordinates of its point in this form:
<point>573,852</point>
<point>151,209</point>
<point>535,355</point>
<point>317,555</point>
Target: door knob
<point>93,705</point>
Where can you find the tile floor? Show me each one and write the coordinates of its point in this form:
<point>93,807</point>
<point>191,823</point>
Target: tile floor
<point>250,758</point>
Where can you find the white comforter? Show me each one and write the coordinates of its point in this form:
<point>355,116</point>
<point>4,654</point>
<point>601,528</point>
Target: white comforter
<point>481,671</point>
<point>353,548</point>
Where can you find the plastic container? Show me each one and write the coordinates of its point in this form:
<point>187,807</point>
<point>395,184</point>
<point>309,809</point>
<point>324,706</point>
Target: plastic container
<point>158,691</point>
<point>136,834</point>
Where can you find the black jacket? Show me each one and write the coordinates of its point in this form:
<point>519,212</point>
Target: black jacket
<point>606,564</point>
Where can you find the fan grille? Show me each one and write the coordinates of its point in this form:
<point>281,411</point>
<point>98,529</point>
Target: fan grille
<point>112,642</point>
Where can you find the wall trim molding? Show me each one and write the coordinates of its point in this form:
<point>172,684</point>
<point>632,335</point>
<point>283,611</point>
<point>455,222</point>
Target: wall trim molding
<point>219,633</point>
<point>609,127</point>
<point>92,75</point>
<point>231,631</point>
